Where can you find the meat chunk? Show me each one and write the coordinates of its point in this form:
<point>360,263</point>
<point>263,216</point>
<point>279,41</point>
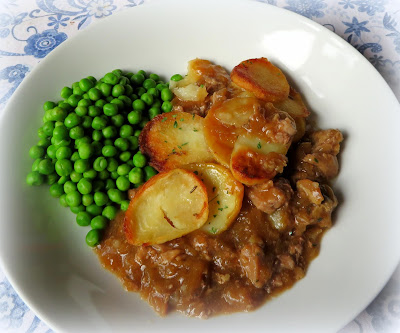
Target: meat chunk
<point>326,141</point>
<point>252,260</point>
<point>311,190</point>
<point>270,196</point>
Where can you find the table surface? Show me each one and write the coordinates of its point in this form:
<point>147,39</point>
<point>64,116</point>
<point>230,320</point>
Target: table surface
<point>369,25</point>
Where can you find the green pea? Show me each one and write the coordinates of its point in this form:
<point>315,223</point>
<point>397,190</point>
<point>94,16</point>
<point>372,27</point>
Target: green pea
<point>92,78</point>
<point>51,178</point>
<point>46,167</point>
<point>126,100</point>
<point>112,164</point>
<point>63,153</point>
<point>44,143</point>
<point>114,175</point>
<point>63,167</point>
<point>41,133</point>
<point>161,86</point>
<point>108,142</point>
<point>87,122</point>
<point>125,156</point>
<point>118,90</point>
<point>56,190</point>
<point>48,128</point>
<point>100,198</point>
<point>147,98</point>
<point>60,132</point>
<point>103,175</point>
<point>149,83</point>
<point>63,180</point>
<point>166,106</point>
<point>86,84</point>
<point>124,205</point>
<point>34,178</point>
<point>110,212</point>
<point>77,132</point>
<point>74,199</point>
<point>122,183</point>
<point>109,98</point>
<point>157,104</point>
<point>115,195</point>
<point>87,199</point>
<point>84,186</point>
<point>111,78</point>
<point>35,165</point>
<point>109,151</point>
<point>97,135</point>
<point>57,114</point>
<point>136,175</point>
<point>66,92</point>
<point>176,77</point>
<point>36,152</point>
<point>110,132</point>
<point>154,111</point>
<point>123,169</point>
<point>137,79</point>
<point>100,103</point>
<point>94,111</point>
<point>118,120</point>
<point>149,172</point>
<point>94,94</point>
<point>100,164</point>
<point>75,156</point>
<point>97,147</point>
<point>106,89</point>
<point>75,176</point>
<point>81,110</point>
<point>94,209</point>
<point>122,144</point>
<point>134,142</point>
<point>99,222</point>
<point>110,184</point>
<point>81,165</point>
<point>83,219</point>
<point>139,160</point>
<point>137,132</point>
<point>139,105</point>
<point>69,187</point>
<point>77,209</point>
<point>154,77</point>
<point>166,95</point>
<point>93,237</point>
<point>48,105</point>
<point>90,174</point>
<point>61,143</point>
<point>144,122</point>
<point>153,92</point>
<point>63,200</point>
<point>85,151</point>
<point>134,117</point>
<point>72,120</point>
<point>129,91</point>
<point>77,91</point>
<point>125,131</point>
<point>84,103</point>
<point>99,123</point>
<point>74,99</point>
<point>110,109</point>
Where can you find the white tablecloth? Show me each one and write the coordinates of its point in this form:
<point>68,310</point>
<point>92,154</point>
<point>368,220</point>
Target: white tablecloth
<point>29,30</point>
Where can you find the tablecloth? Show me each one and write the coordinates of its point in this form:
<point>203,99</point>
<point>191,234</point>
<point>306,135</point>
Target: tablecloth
<point>30,30</point>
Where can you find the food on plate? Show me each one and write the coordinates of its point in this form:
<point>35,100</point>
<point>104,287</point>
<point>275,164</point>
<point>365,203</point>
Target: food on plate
<point>88,148</point>
<point>242,199</point>
<point>170,205</point>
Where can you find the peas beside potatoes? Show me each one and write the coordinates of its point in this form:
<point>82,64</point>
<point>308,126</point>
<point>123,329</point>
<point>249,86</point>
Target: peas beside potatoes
<point>88,148</point>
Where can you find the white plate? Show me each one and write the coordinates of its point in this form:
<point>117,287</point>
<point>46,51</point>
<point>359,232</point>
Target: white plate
<point>43,251</point>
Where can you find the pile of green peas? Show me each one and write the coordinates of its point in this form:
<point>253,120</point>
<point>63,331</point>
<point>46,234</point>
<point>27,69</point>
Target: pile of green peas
<point>88,144</point>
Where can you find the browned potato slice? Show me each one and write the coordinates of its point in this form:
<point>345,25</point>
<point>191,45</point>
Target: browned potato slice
<point>225,195</point>
<point>223,124</point>
<point>170,205</point>
<point>253,166</point>
<point>262,78</point>
<point>174,139</point>
<point>293,105</point>
<point>300,127</point>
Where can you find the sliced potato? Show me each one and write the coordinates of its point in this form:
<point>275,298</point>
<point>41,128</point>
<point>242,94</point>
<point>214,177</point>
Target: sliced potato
<point>262,78</point>
<point>300,127</point>
<point>191,92</point>
<point>253,166</point>
<point>170,205</point>
<point>174,139</point>
<point>293,105</point>
<point>225,195</point>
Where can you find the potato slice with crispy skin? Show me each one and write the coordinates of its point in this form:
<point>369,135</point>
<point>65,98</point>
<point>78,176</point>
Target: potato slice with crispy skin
<point>170,205</point>
<point>225,195</point>
<point>262,78</point>
<point>293,105</point>
<point>174,139</point>
<point>253,166</point>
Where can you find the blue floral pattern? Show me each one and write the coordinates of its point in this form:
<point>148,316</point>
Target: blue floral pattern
<point>31,29</point>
